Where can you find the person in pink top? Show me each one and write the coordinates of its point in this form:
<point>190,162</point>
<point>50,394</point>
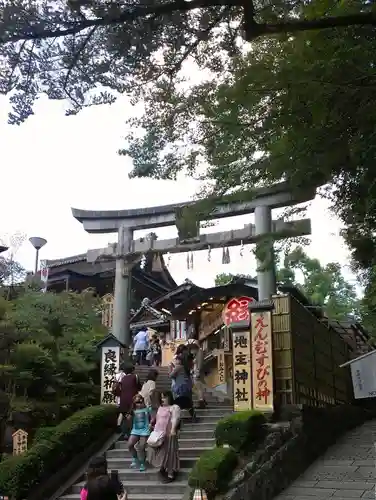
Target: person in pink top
<point>166,423</point>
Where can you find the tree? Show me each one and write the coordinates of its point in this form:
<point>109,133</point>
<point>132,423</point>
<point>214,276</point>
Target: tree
<point>324,286</point>
<point>48,360</point>
<point>299,109</point>
<point>11,272</point>
<point>84,49</point>
<point>223,279</point>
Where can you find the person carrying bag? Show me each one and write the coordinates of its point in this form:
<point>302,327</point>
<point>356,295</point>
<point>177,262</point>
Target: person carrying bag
<point>163,449</point>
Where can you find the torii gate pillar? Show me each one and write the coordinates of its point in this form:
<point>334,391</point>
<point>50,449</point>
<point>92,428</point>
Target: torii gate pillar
<point>266,275</point>
<point>123,287</point>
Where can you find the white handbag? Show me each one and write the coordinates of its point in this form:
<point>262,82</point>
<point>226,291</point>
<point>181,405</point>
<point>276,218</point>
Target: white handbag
<point>156,439</point>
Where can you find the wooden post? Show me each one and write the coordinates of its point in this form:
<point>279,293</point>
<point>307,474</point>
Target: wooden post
<point>19,442</point>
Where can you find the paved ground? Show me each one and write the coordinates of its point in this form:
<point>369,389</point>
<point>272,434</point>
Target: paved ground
<point>347,471</point>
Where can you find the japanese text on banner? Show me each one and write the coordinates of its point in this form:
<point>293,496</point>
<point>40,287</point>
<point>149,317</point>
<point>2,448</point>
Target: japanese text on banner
<point>110,367</point>
<point>262,362</point>
<point>242,370</point>
<point>221,368</point>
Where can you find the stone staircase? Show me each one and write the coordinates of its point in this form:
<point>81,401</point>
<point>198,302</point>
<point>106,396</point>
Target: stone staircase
<point>194,438</point>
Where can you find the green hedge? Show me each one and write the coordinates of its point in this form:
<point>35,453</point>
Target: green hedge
<point>21,474</point>
<point>43,433</point>
<point>213,470</point>
<point>241,429</point>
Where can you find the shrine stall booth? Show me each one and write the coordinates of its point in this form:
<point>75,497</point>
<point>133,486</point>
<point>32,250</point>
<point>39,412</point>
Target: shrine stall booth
<point>298,361</point>
<point>207,315</point>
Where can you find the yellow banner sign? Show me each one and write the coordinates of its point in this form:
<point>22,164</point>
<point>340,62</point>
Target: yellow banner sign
<point>242,370</point>
<point>221,366</point>
<point>262,361</point>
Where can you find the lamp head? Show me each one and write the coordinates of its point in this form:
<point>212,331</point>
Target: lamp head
<point>37,242</point>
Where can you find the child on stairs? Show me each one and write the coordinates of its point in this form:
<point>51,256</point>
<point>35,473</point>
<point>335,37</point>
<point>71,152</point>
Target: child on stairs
<point>139,433</point>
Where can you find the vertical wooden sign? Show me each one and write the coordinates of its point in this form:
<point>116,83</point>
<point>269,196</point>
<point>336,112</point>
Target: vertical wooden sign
<point>226,339</point>
<point>221,367</point>
<point>19,442</point>
<point>242,370</point>
<point>262,361</point>
<point>110,367</point>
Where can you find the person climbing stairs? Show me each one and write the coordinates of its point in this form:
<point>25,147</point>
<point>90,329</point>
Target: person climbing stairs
<point>194,439</point>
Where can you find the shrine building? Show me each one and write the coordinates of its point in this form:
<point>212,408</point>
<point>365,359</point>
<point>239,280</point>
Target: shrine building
<point>307,347</point>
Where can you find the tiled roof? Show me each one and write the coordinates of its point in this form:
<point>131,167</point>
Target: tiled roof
<point>66,260</point>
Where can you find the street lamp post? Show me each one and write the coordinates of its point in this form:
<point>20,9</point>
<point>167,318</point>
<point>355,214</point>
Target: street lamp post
<point>3,248</point>
<point>37,243</point>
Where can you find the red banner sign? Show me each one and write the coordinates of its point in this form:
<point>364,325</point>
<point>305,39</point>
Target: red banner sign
<point>236,310</point>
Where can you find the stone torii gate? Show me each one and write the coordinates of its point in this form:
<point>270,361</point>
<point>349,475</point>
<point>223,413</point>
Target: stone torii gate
<point>127,251</point>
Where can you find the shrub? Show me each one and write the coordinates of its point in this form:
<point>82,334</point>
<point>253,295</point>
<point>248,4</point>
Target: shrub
<point>213,470</point>
<point>43,433</point>
<point>241,429</point>
<point>20,474</point>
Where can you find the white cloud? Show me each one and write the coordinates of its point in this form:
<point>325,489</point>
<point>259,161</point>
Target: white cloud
<point>54,162</point>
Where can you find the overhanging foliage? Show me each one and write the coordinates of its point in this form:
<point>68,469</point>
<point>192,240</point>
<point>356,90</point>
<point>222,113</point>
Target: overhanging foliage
<point>84,50</point>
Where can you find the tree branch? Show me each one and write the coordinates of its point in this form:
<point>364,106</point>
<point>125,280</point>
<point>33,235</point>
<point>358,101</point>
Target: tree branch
<point>254,29</point>
<point>362,19</point>
<point>75,60</point>
<point>132,13</point>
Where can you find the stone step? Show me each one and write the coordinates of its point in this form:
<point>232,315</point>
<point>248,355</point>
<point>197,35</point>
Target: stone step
<point>134,496</point>
<point>183,443</point>
<point>211,413</point>
<point>215,408</point>
<point>154,496</point>
<point>205,425</point>
<point>125,462</point>
<point>188,433</point>
<point>119,453</point>
<point>202,419</point>
<point>130,475</point>
<point>152,488</point>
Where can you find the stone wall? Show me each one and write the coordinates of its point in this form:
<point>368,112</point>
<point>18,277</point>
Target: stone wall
<point>291,447</point>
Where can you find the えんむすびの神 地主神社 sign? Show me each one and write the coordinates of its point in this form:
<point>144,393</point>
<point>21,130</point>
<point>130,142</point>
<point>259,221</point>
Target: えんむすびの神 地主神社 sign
<point>262,362</point>
<point>242,370</point>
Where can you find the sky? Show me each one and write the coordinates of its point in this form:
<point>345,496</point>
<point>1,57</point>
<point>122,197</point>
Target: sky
<point>52,163</point>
